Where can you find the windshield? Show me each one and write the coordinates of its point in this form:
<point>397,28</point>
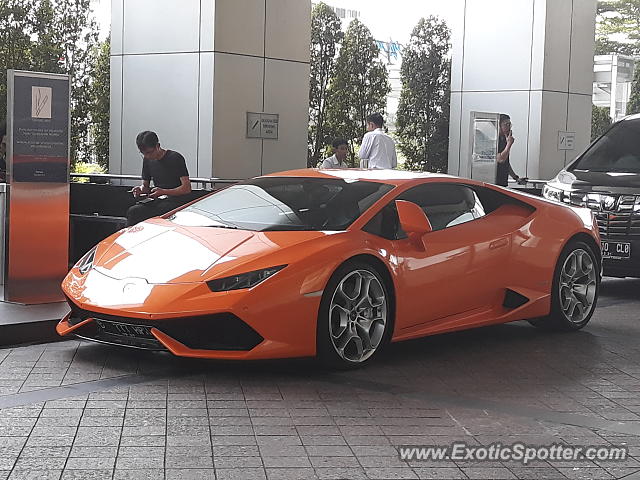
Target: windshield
<point>285,203</point>
<point>617,151</point>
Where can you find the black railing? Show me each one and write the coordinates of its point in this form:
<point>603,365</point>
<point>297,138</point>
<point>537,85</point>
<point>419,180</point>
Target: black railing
<point>106,178</point>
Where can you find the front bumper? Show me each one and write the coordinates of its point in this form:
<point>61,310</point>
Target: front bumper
<point>218,332</point>
<point>269,321</point>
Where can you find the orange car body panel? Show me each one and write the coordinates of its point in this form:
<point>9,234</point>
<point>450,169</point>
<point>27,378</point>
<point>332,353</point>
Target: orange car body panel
<point>452,279</point>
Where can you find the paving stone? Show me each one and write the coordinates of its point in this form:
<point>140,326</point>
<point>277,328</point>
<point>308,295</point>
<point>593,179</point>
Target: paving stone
<point>87,474</point>
<point>188,440</point>
<point>35,475</point>
<point>341,473</point>
<point>235,450</point>
<point>190,474</point>
<point>291,474</point>
<point>143,441</point>
<point>244,474</point>
<point>448,473</point>
<point>285,462</point>
<point>146,474</point>
<point>99,452</point>
<point>392,473</point>
<point>233,440</point>
<point>189,462</point>
<point>40,463</point>
<point>137,463</point>
<point>90,463</point>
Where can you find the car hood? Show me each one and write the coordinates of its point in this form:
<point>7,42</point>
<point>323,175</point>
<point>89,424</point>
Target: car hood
<point>610,182</point>
<point>161,252</point>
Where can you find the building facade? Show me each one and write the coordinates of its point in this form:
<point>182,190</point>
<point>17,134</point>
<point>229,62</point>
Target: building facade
<point>198,71</point>
<point>536,66</point>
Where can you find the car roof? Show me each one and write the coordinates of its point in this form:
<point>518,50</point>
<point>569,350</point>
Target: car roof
<point>395,177</point>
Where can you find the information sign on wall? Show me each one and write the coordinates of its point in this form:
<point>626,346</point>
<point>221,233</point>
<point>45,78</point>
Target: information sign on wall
<point>262,125</point>
<point>566,140</point>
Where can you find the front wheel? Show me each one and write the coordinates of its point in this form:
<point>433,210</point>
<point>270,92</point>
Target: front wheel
<point>354,320</point>
<point>576,284</point>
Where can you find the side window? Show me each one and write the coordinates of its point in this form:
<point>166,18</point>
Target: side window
<point>446,204</point>
<point>386,223</point>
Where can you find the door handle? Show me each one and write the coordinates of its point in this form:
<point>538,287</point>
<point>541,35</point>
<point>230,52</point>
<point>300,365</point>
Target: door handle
<point>503,242</point>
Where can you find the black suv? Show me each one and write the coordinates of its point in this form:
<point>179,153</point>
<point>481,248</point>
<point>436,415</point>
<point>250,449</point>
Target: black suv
<point>606,178</point>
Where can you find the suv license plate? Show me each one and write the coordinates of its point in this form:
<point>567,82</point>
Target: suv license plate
<point>616,250</point>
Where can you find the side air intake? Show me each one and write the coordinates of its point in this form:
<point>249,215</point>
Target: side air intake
<point>513,299</point>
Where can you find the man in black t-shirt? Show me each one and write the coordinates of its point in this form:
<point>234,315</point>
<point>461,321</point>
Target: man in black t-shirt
<point>505,141</point>
<point>168,172</point>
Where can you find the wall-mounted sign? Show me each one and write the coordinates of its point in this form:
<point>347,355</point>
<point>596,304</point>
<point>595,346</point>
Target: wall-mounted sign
<point>262,125</point>
<point>566,140</point>
<point>39,121</point>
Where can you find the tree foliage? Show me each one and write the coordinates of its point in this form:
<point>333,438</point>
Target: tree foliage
<point>634,101</point>
<point>359,87</point>
<point>99,95</point>
<point>54,36</point>
<point>326,35</point>
<point>600,121</point>
<point>423,112</point>
<point>619,18</point>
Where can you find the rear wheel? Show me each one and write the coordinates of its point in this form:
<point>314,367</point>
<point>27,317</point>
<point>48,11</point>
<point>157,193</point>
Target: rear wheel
<point>576,284</point>
<point>354,320</point>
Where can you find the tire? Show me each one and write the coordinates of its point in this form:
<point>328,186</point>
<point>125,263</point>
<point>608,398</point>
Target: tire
<point>575,288</point>
<point>353,324</point>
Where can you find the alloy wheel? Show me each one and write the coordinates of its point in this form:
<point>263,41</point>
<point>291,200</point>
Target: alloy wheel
<point>578,285</point>
<point>357,316</point>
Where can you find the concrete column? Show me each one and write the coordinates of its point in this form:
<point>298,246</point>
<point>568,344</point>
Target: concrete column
<point>190,71</point>
<point>533,60</point>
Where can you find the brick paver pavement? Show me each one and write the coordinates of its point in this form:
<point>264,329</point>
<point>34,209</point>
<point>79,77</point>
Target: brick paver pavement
<point>78,410</point>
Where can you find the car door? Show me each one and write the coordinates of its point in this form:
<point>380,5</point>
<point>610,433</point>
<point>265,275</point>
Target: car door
<point>458,269</point>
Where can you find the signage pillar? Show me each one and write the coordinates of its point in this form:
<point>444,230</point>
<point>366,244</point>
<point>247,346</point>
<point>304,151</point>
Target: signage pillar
<point>36,245</point>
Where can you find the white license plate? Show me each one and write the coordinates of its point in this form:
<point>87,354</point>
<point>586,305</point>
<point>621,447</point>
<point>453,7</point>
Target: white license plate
<point>616,250</point>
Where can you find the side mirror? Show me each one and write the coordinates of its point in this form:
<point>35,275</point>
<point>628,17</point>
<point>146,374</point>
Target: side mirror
<point>412,219</point>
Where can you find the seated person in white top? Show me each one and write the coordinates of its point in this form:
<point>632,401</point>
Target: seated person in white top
<point>378,150</point>
<point>340,150</point>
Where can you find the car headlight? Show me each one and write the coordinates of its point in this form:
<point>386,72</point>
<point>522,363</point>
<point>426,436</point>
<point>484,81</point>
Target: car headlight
<point>86,262</point>
<point>565,177</point>
<point>552,193</point>
<point>244,280</point>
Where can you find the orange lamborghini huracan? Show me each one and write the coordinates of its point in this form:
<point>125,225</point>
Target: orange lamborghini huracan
<point>335,263</point>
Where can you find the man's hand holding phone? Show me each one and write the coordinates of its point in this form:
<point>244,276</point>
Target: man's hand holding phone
<point>510,138</point>
<point>138,191</point>
<point>157,192</point>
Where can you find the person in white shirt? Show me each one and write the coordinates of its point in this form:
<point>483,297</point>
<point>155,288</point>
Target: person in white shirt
<point>340,150</point>
<point>378,150</point>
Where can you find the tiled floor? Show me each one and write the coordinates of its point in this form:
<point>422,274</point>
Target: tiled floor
<point>76,410</point>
